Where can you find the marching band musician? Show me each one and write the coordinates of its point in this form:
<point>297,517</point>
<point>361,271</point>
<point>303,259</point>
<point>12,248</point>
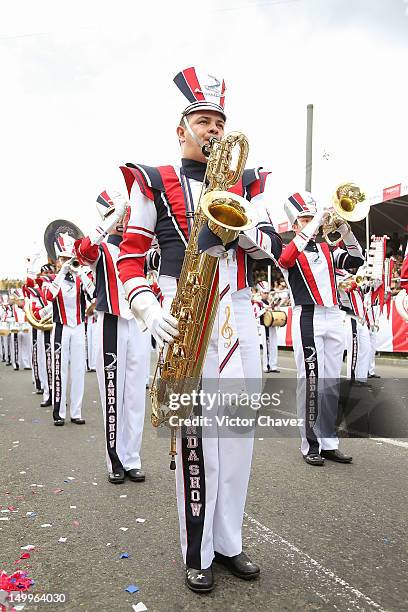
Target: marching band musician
<point>6,317</point>
<point>351,299</point>
<point>123,350</point>
<point>317,323</point>
<point>44,279</point>
<point>67,293</point>
<point>269,334</point>
<point>212,477</point>
<point>20,349</point>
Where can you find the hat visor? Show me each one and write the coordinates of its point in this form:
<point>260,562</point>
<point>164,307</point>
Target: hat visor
<point>204,106</point>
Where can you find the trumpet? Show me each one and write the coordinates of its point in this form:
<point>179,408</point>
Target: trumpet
<point>349,204</point>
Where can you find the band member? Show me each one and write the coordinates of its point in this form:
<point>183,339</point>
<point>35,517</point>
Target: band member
<point>317,323</point>
<point>21,344</point>
<point>123,350</point>
<point>269,335</point>
<point>44,280</point>
<point>212,471</point>
<point>351,298</point>
<point>67,293</point>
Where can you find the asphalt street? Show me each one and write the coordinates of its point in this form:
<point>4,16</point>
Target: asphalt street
<point>330,538</point>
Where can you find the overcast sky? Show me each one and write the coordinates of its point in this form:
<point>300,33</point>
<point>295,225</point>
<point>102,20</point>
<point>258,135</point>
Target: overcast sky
<point>87,85</point>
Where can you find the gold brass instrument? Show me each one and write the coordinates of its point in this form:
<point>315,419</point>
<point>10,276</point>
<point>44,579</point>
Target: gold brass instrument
<point>349,204</point>
<point>44,324</point>
<point>196,302</point>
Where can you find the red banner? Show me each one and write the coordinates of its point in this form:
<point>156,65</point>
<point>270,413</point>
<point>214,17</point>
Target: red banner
<point>391,192</point>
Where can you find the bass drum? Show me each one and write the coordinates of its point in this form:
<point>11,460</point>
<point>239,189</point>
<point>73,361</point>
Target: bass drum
<point>279,318</point>
<point>267,318</point>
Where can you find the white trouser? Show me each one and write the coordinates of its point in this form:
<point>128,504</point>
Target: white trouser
<point>358,350</point>
<point>9,348</point>
<point>92,344</point>
<point>373,348</point>
<point>68,355</point>
<point>21,350</point>
<point>121,365</point>
<point>318,343</point>
<point>212,478</point>
<point>269,339</point>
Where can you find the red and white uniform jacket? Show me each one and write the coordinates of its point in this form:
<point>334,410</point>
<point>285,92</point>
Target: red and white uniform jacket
<point>110,294</point>
<point>310,275</point>
<point>69,304</point>
<point>163,201</point>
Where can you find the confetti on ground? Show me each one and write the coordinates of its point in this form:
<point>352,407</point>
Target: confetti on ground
<point>57,491</point>
<point>4,518</point>
<point>124,556</point>
<point>132,588</point>
<point>28,547</point>
<point>21,420</point>
<point>109,544</point>
<point>63,540</point>
<point>140,607</point>
<point>46,525</point>
<point>95,483</point>
<point>73,507</point>
<point>123,528</point>
<point>31,514</point>
<point>140,520</point>
<point>75,523</point>
<point>123,496</point>
<point>23,472</point>
<point>70,478</point>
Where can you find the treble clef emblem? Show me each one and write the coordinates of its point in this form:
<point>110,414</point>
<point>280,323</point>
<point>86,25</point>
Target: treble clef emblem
<point>226,330</point>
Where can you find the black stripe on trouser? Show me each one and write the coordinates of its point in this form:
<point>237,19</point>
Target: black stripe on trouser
<point>354,349</point>
<point>3,350</point>
<point>267,346</point>
<point>9,349</point>
<point>48,361</point>
<point>34,359</point>
<point>110,352</point>
<point>194,490</point>
<point>57,370</point>
<point>16,350</point>
<point>311,371</point>
<point>86,345</point>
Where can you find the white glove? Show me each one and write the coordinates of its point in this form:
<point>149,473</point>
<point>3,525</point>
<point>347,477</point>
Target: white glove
<point>33,268</point>
<point>162,325</point>
<point>322,213</point>
<point>343,230</point>
<point>55,286</point>
<point>101,231</point>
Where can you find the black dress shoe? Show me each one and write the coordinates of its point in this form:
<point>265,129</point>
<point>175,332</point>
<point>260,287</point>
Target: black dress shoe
<point>39,391</point>
<point>136,474</point>
<point>78,421</point>
<point>275,371</point>
<point>374,376</point>
<point>7,364</point>
<point>117,477</point>
<point>59,422</point>
<point>314,459</point>
<point>200,580</point>
<point>239,565</point>
<point>336,455</point>
<point>47,402</point>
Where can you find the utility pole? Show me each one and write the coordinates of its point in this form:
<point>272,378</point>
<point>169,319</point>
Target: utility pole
<point>309,147</point>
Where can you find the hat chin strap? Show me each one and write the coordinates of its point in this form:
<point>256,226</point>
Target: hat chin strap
<point>205,149</point>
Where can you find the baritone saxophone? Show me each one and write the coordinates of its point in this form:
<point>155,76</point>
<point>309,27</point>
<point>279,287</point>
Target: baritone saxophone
<point>195,304</point>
